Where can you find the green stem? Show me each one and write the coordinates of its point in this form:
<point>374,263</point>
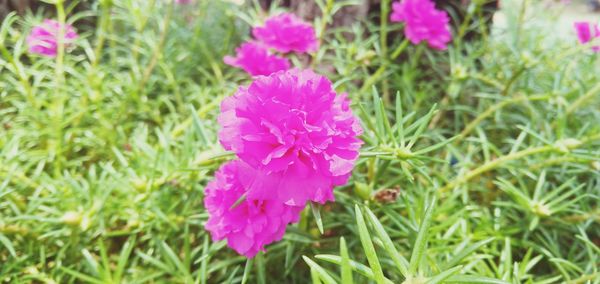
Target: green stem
<point>463,27</point>
<point>492,109</point>
<point>59,102</point>
<point>385,10</point>
<point>103,28</point>
<point>493,164</point>
<point>583,99</point>
<point>584,278</point>
<point>381,70</point>
<point>399,49</point>
<point>21,74</point>
<point>325,20</point>
<point>21,177</point>
<point>326,12</point>
<point>158,50</point>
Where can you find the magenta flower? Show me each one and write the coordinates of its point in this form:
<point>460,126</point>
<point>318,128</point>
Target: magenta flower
<point>294,129</point>
<point>587,32</point>
<point>252,224</point>
<point>286,32</point>
<point>256,60</point>
<point>43,38</point>
<point>184,1</point>
<point>423,22</point>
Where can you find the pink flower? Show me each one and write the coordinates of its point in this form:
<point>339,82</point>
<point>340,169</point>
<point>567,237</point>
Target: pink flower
<point>184,1</point>
<point>587,32</point>
<point>286,32</point>
<point>252,224</point>
<point>423,22</point>
<point>294,129</point>
<point>43,38</point>
<point>256,60</point>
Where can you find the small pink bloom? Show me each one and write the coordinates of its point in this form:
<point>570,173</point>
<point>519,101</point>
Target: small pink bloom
<point>294,129</point>
<point>286,32</point>
<point>43,38</point>
<point>423,22</point>
<point>184,1</point>
<point>252,224</point>
<point>256,60</point>
<point>587,32</point>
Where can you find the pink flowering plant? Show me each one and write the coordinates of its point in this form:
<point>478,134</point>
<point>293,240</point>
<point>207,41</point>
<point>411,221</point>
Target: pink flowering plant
<point>282,33</point>
<point>423,22</point>
<point>587,32</point>
<point>263,141</point>
<point>44,38</point>
<point>252,224</point>
<point>287,33</point>
<point>294,129</point>
<point>256,59</point>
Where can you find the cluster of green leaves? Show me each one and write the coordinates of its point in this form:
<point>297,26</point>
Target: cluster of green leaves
<point>481,164</point>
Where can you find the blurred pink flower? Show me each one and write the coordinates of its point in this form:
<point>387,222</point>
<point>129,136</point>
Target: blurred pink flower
<point>252,224</point>
<point>43,38</point>
<point>423,22</point>
<point>294,129</point>
<point>286,32</point>
<point>256,60</point>
<point>184,1</point>
<point>587,32</point>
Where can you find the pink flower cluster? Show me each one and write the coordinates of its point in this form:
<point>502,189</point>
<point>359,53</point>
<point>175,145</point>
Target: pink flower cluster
<point>253,58</point>
<point>44,38</point>
<point>423,22</point>
<point>587,32</point>
<point>251,224</point>
<point>283,33</point>
<point>296,139</point>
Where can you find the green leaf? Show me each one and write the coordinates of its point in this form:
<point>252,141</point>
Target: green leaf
<point>356,266</point>
<point>317,214</point>
<point>421,240</point>
<point>399,120</point>
<point>247,269</point>
<point>444,275</point>
<point>474,280</point>
<point>8,245</point>
<point>81,276</point>
<point>345,263</point>
<point>399,260</point>
<point>365,239</point>
<point>323,275</point>
<point>261,269</point>
<point>123,258</point>
<point>314,276</point>
<point>422,123</point>
<point>466,252</point>
<point>198,126</point>
<point>379,116</point>
<point>174,259</point>
<point>232,275</point>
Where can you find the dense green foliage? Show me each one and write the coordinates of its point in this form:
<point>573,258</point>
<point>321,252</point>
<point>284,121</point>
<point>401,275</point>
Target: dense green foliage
<point>480,163</point>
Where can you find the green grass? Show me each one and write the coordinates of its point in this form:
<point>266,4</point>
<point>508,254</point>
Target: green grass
<point>493,146</point>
